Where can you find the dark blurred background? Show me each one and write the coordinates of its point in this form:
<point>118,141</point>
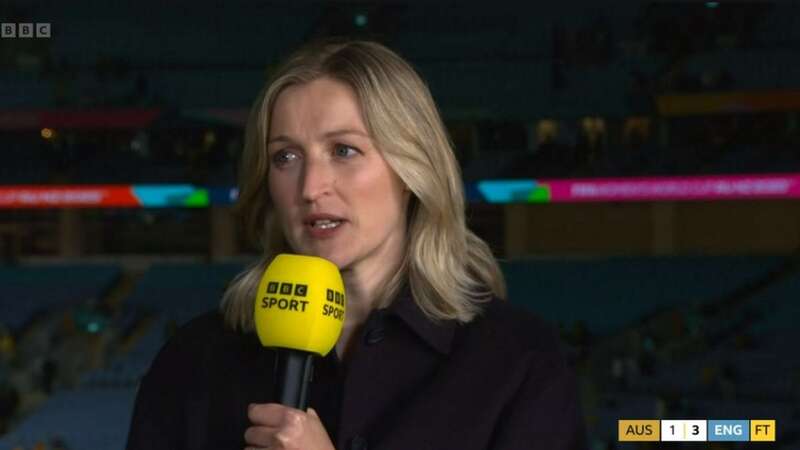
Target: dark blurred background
<point>671,309</point>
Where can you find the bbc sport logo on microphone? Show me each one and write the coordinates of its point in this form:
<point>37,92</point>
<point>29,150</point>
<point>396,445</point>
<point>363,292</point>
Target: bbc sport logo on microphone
<point>300,304</point>
<point>285,289</point>
<point>335,299</point>
<point>300,290</point>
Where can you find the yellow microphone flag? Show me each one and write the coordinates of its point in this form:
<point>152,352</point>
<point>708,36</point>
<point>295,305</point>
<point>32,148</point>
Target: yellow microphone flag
<point>300,304</point>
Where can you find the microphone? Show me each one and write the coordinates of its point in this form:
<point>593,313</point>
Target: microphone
<point>299,311</point>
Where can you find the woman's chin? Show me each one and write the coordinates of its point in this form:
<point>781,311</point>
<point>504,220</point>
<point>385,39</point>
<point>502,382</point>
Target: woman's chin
<point>340,262</point>
<point>338,259</point>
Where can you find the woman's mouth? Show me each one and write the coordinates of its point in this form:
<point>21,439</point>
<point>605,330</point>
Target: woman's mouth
<point>326,224</point>
<point>324,228</point>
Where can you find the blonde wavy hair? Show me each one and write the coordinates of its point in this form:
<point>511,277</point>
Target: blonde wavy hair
<point>449,270</point>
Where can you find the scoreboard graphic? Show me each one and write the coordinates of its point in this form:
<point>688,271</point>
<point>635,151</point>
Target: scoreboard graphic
<point>693,430</point>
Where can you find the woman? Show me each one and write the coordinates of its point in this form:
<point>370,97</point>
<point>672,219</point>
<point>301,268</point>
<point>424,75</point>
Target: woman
<point>347,158</point>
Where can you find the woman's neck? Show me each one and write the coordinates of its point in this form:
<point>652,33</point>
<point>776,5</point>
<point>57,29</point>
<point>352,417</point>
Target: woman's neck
<point>362,289</point>
<point>362,295</point>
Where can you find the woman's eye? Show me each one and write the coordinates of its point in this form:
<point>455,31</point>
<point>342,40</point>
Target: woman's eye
<point>345,151</point>
<point>283,157</point>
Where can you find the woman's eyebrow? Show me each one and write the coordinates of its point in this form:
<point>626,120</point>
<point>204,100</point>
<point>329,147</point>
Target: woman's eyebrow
<point>280,138</point>
<point>328,135</point>
<point>335,133</point>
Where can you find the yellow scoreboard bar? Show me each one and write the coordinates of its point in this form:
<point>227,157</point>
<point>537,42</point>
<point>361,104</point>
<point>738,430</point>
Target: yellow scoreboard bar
<point>762,430</point>
<point>639,430</point>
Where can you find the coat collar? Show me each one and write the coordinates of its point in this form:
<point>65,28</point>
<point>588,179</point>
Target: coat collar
<point>439,335</point>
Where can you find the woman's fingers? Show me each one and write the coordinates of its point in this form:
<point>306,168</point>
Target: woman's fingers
<point>273,424</point>
<point>261,436</point>
<point>270,414</point>
<point>278,427</point>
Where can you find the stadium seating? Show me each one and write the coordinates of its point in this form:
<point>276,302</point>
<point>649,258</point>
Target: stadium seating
<point>84,419</point>
<point>778,305</point>
<point>23,90</point>
<point>181,292</point>
<point>168,295</point>
<point>28,291</point>
<point>126,369</point>
<point>609,294</point>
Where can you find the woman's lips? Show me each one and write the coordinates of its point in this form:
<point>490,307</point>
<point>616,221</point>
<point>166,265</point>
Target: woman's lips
<point>322,225</point>
<point>315,217</point>
<point>324,229</point>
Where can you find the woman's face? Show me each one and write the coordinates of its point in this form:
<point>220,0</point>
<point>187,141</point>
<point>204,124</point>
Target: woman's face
<point>334,194</point>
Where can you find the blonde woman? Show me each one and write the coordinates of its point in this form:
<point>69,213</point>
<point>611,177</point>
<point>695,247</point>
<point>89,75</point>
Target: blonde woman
<point>346,158</point>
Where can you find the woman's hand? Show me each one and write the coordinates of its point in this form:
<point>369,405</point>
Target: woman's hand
<point>278,427</point>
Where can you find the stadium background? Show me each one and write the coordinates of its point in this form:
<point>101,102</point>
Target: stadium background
<point>671,309</point>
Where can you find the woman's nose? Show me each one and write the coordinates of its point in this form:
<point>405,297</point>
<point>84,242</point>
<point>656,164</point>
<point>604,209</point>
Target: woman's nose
<point>317,180</point>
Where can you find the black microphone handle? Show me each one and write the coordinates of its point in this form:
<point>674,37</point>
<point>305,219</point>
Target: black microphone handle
<point>293,370</point>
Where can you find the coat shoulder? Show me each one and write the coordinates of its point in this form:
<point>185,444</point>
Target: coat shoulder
<point>198,340</point>
<point>197,332</point>
<point>207,326</point>
<point>516,328</point>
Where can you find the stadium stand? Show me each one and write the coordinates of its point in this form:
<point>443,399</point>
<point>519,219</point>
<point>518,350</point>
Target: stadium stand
<point>31,291</point>
<point>596,293</point>
<point>611,294</point>
<point>81,419</point>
